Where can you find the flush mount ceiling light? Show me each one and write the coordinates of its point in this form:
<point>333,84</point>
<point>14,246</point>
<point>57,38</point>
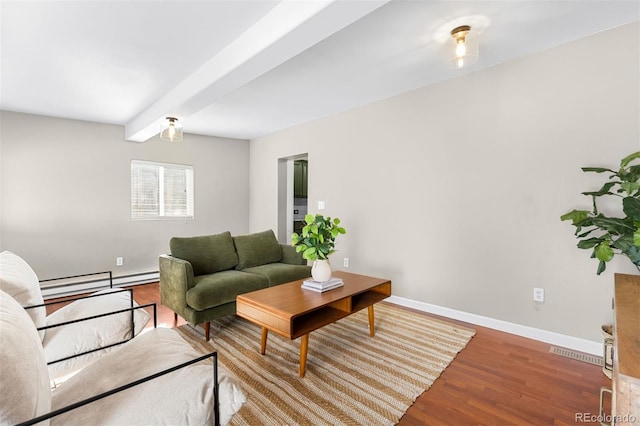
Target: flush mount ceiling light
<point>467,27</point>
<point>465,52</point>
<point>171,130</point>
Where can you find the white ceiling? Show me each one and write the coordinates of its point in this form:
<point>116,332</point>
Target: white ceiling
<point>243,69</point>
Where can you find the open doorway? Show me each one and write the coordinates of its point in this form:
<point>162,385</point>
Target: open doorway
<point>293,187</point>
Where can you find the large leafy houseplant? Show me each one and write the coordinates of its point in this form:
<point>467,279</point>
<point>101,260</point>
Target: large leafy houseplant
<point>317,238</point>
<point>609,235</point>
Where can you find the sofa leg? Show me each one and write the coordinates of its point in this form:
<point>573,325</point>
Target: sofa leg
<point>207,328</point>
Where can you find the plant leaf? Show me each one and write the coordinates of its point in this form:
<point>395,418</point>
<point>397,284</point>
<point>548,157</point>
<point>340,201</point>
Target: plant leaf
<point>631,175</point>
<point>604,252</point>
<point>631,207</point>
<point>589,243</point>
<point>630,187</point>
<point>613,225</point>
<point>597,169</point>
<point>629,158</point>
<point>626,245</point>
<point>633,253</point>
<point>576,216</point>
<point>603,191</point>
<point>601,267</point>
<point>584,234</point>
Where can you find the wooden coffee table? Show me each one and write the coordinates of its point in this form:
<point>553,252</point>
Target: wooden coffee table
<point>293,312</point>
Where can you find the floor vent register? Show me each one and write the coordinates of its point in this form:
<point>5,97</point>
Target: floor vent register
<point>580,356</point>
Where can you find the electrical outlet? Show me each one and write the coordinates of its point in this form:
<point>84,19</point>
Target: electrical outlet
<point>346,262</point>
<point>320,205</point>
<point>119,261</point>
<point>538,295</point>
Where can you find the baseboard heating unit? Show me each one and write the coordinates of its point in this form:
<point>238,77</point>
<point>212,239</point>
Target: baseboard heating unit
<point>71,286</point>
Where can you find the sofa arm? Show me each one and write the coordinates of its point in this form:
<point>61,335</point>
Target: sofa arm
<point>290,256</point>
<point>176,277</point>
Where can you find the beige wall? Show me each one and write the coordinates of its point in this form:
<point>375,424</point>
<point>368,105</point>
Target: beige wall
<point>454,191</point>
<point>66,194</point>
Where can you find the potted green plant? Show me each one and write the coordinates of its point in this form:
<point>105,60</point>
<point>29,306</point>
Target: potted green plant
<point>608,235</point>
<point>316,242</point>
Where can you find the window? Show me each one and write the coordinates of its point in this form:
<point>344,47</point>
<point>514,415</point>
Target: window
<point>161,190</point>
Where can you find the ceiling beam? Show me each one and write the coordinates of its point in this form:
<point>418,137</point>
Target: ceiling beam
<point>287,30</point>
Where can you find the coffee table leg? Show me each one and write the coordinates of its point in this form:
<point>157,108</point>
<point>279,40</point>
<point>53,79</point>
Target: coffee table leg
<point>263,341</point>
<point>372,330</point>
<point>304,344</point>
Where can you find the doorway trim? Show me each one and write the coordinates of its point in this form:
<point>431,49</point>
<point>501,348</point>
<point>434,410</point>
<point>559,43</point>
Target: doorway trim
<point>285,196</point>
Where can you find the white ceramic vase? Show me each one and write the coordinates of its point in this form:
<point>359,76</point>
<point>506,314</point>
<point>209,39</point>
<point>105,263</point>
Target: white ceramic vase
<point>321,270</point>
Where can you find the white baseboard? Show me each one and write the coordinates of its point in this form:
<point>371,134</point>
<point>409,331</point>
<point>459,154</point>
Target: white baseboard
<point>78,287</point>
<point>570,342</point>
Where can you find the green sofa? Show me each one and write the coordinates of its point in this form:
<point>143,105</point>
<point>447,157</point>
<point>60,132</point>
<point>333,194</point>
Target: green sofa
<point>202,276</point>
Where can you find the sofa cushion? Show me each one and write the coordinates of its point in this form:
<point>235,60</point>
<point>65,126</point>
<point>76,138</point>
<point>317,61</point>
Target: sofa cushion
<point>280,273</point>
<point>68,340</point>
<point>19,281</point>
<point>183,397</point>
<point>222,287</point>
<point>207,254</point>
<point>24,382</point>
<point>291,256</point>
<point>257,249</point>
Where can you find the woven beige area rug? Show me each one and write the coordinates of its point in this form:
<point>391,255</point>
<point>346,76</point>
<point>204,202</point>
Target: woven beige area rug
<point>351,378</point>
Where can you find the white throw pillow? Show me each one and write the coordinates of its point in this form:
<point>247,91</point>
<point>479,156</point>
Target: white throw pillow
<point>24,378</point>
<point>18,280</point>
<point>67,340</point>
<point>182,397</point>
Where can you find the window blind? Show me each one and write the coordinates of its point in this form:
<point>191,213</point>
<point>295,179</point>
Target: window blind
<point>161,190</point>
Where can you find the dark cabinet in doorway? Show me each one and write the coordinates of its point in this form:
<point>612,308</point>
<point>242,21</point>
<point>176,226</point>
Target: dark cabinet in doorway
<point>300,173</point>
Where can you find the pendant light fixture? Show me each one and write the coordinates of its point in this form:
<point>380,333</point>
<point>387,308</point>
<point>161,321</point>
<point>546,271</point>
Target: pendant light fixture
<point>465,50</point>
<point>171,130</point>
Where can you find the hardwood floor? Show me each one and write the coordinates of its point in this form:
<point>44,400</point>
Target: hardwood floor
<point>498,379</point>
<point>503,379</point>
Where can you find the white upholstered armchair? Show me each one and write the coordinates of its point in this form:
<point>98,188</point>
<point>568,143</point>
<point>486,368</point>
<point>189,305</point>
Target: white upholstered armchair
<point>156,378</point>
<point>92,325</point>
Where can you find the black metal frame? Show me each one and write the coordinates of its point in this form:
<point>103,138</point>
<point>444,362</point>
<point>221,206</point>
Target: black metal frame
<point>216,405</point>
<point>130,309</point>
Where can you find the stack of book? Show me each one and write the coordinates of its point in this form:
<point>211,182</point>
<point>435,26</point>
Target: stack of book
<point>321,286</point>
